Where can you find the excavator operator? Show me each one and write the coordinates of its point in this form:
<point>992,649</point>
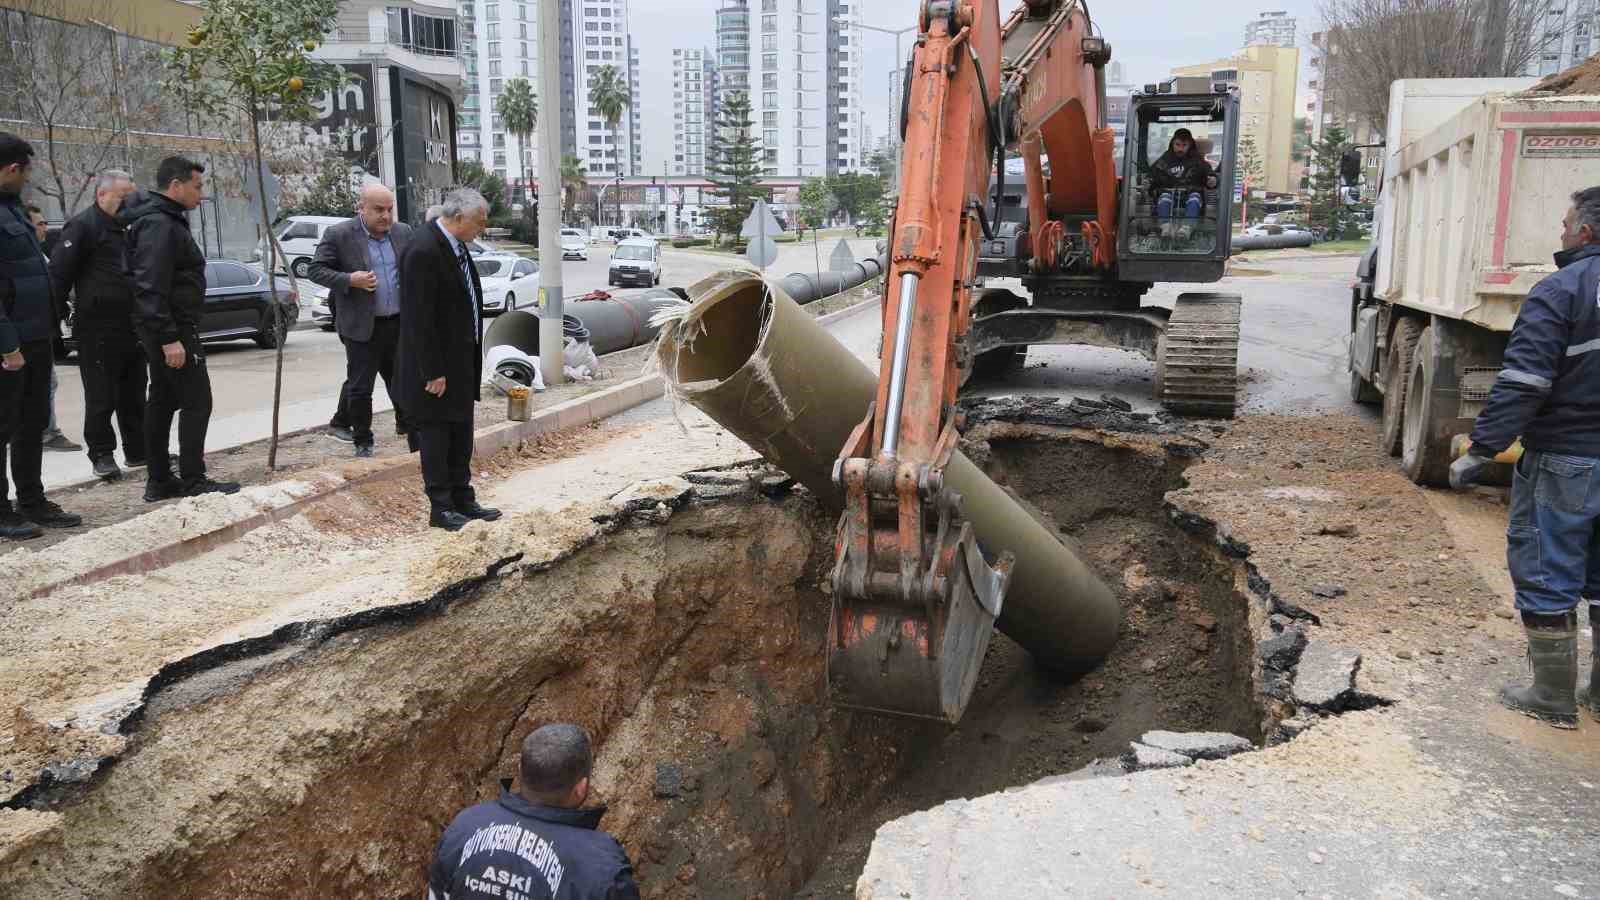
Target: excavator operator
<point>1181,173</point>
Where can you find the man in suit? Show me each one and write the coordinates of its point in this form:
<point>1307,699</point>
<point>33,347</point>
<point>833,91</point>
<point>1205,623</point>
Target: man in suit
<point>358,261</point>
<point>441,356</point>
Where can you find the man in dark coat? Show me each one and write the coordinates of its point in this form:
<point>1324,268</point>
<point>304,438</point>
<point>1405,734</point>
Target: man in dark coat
<point>169,291</point>
<point>89,265</point>
<point>1546,394</point>
<point>358,261</point>
<point>441,355</point>
<point>538,842</point>
<point>28,324</point>
<point>1178,177</point>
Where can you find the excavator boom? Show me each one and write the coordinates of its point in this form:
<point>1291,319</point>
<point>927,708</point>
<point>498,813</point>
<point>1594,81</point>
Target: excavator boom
<point>916,592</point>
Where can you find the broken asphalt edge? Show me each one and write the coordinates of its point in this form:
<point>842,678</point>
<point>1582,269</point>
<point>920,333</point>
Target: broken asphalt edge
<point>575,413</point>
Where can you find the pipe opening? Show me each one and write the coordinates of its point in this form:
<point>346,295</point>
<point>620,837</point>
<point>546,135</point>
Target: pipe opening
<point>725,334</point>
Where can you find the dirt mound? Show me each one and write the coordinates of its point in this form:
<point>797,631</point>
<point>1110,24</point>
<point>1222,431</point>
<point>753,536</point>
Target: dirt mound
<point>1583,78</point>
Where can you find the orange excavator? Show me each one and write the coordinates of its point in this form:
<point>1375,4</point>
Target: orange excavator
<point>916,595</point>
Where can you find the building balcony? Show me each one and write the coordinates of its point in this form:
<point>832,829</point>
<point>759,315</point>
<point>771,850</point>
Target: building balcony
<point>373,45</point>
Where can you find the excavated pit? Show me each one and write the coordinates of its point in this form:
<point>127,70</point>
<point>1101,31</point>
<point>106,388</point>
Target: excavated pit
<point>688,637</point>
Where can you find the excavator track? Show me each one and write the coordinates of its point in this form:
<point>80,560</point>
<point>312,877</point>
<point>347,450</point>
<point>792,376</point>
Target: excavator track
<point>1197,360</point>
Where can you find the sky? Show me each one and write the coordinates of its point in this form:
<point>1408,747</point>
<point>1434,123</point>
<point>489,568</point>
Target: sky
<point>1148,37</point>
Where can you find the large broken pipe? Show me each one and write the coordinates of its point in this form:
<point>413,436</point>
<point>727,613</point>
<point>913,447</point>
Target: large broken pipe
<point>766,371</point>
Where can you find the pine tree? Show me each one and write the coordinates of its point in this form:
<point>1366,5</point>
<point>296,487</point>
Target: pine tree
<point>735,167</point>
<point>1328,211</point>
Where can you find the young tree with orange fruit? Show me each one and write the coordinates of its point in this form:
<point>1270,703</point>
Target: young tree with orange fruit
<point>244,59</point>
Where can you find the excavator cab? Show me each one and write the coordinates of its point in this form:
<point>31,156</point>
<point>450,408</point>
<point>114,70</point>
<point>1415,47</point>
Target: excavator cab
<point>1177,233</point>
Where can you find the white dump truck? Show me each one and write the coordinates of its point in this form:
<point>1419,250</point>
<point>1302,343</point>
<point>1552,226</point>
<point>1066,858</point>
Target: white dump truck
<point>1477,175</point>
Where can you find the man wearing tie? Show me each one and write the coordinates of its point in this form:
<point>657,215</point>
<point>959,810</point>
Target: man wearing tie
<point>358,261</point>
<point>441,354</point>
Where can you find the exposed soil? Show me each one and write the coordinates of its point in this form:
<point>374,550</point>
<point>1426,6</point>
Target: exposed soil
<point>1583,78</point>
<point>1183,659</point>
<point>1323,507</point>
<point>689,644</point>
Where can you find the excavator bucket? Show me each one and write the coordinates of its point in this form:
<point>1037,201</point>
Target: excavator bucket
<point>904,641</point>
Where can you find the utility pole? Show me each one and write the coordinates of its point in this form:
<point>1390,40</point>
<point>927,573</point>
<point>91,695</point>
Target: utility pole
<point>551,307</point>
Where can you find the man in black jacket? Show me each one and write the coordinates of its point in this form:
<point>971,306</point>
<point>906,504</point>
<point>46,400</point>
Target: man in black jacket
<point>169,292</point>
<point>441,355</point>
<point>359,262</point>
<point>28,326</point>
<point>1547,393</point>
<point>1179,176</point>
<point>539,842</point>
<point>88,265</point>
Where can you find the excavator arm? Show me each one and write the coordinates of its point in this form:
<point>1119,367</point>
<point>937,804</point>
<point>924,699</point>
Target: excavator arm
<point>916,594</point>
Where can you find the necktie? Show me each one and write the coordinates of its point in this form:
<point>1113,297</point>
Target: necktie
<point>465,260</point>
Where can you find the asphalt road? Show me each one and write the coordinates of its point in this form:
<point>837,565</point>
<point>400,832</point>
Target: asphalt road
<point>1294,333</point>
<point>243,375</point>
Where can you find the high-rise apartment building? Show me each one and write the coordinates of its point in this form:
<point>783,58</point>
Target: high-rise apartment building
<point>1565,37</point>
<point>800,63</point>
<point>1265,76</point>
<point>599,31</point>
<point>501,43</point>
<point>694,101</point>
<point>1275,29</point>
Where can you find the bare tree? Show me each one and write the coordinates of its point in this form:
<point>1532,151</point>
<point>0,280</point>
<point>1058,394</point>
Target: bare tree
<point>1372,43</point>
<point>66,86</point>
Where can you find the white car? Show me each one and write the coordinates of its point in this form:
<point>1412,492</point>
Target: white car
<point>507,282</point>
<point>573,244</point>
<point>636,261</point>
<point>298,237</point>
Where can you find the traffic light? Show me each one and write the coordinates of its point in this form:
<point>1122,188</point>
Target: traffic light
<point>1350,167</point>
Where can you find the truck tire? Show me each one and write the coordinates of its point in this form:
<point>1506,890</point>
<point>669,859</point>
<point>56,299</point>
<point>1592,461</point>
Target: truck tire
<point>1425,451</point>
<point>1396,375</point>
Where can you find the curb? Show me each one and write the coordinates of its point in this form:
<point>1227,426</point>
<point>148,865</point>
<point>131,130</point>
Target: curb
<point>574,413</point>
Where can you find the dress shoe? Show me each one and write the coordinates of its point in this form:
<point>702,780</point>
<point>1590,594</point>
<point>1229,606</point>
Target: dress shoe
<point>156,490</point>
<point>448,519</point>
<point>194,487</point>
<point>363,451</point>
<point>474,511</point>
<point>342,434</point>
<point>49,515</point>
<point>15,528</point>
<point>106,468</point>
<point>60,443</point>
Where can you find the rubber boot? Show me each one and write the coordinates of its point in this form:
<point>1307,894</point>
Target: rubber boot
<point>1590,697</point>
<point>1553,657</point>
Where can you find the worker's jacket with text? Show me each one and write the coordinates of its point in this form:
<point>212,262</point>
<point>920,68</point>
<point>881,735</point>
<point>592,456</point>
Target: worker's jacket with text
<point>511,848</point>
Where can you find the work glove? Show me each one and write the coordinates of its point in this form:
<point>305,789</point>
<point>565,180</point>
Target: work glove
<point>1467,470</point>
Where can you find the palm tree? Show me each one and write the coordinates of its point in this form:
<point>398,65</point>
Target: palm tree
<point>608,93</point>
<point>519,110</point>
<point>573,180</point>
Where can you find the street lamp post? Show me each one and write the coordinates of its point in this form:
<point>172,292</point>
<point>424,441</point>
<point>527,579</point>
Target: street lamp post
<point>895,73</point>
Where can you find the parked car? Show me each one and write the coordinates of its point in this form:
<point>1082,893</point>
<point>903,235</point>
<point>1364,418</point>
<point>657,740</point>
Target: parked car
<point>503,279</point>
<point>237,307</point>
<point>573,244</point>
<point>298,237</point>
<point>636,260</point>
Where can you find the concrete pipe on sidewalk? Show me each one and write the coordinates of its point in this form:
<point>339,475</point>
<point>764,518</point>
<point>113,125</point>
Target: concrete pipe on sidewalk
<point>1284,241</point>
<point>767,372</point>
<point>612,325</point>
